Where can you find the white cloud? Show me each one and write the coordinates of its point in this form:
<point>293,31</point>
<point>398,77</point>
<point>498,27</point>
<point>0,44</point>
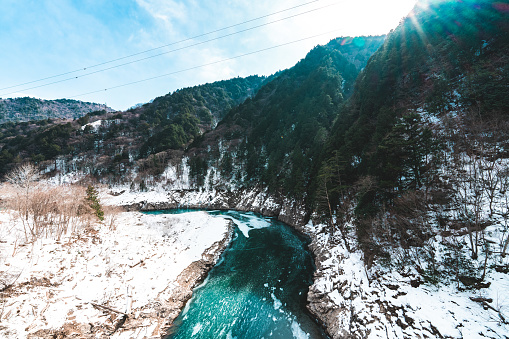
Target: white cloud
<point>168,13</point>
<point>216,68</point>
<point>55,36</point>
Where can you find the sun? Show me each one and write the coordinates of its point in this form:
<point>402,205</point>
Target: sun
<point>374,17</point>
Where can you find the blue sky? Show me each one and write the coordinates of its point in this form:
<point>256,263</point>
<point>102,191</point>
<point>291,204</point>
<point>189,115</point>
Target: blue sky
<point>44,38</point>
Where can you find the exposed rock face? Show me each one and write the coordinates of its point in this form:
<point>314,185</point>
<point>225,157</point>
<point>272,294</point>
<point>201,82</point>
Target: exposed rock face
<point>330,316</point>
<point>288,211</point>
<point>318,304</point>
<point>192,276</point>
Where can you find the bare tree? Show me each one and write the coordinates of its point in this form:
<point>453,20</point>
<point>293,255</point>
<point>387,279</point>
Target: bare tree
<point>470,198</point>
<point>47,210</point>
<point>503,174</point>
<point>339,214</point>
<point>24,178</point>
<point>470,180</point>
<point>490,180</point>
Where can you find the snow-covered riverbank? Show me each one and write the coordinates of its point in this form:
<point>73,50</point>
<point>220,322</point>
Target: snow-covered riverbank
<point>147,267</point>
<point>380,302</point>
<point>355,302</point>
<point>137,275</point>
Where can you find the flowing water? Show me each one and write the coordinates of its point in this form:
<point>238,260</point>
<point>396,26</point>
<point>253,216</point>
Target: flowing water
<point>258,288</point>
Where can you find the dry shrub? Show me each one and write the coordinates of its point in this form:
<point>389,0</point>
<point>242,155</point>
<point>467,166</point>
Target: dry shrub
<point>111,215</point>
<point>409,221</point>
<point>52,211</point>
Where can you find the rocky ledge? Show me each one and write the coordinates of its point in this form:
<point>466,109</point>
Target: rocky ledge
<point>253,200</point>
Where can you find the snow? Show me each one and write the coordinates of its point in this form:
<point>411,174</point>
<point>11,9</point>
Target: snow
<point>126,268</point>
<point>95,125</point>
<point>277,302</point>
<point>251,223</point>
<point>378,302</point>
<point>383,299</point>
<point>178,176</point>
<point>207,198</point>
<point>297,331</point>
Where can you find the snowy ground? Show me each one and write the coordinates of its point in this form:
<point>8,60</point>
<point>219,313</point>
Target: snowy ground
<point>381,302</point>
<point>135,268</point>
<point>84,283</point>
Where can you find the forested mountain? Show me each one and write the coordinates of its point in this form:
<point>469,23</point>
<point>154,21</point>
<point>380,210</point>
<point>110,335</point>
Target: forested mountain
<point>357,50</point>
<point>129,141</point>
<point>395,148</point>
<point>419,148</point>
<point>106,142</point>
<point>178,117</point>
<point>425,130</point>
<point>275,139</point>
<point>27,109</point>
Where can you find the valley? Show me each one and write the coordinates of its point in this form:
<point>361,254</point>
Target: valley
<point>390,153</point>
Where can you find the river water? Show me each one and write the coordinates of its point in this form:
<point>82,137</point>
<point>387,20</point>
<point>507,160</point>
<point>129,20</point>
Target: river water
<point>257,289</point>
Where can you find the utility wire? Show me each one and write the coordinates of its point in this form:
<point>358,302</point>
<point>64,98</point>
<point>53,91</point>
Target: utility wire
<point>203,65</point>
<point>171,51</point>
<point>160,47</point>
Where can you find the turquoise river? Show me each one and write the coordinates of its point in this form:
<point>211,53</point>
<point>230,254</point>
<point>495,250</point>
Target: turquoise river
<point>257,289</point>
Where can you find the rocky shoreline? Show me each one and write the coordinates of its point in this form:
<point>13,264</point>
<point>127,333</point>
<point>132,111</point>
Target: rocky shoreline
<point>287,211</point>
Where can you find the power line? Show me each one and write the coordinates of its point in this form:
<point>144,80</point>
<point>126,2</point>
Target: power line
<point>171,51</point>
<point>157,48</point>
<point>203,65</point>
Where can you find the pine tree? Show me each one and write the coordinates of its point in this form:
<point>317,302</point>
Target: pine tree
<point>93,199</point>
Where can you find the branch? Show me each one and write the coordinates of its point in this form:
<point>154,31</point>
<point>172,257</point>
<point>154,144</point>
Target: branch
<point>483,301</point>
<point>107,308</point>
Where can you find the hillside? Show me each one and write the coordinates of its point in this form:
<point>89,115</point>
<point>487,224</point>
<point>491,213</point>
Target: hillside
<point>404,180</point>
<point>413,186</point>
<point>113,141</point>
<point>434,92</point>
<point>30,109</point>
<point>275,138</point>
<point>178,117</point>
<point>357,50</point>
<point>143,140</point>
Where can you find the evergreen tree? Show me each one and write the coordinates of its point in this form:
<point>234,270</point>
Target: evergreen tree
<point>94,203</point>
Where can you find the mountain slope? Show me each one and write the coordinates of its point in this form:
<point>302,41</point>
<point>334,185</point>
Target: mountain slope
<point>27,109</point>
<point>275,138</point>
<point>424,132</point>
<point>403,167</point>
<point>108,142</point>
<point>444,52</point>
<point>195,109</point>
<point>412,193</point>
<point>115,141</point>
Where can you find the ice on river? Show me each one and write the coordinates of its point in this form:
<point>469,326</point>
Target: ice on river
<point>247,222</point>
